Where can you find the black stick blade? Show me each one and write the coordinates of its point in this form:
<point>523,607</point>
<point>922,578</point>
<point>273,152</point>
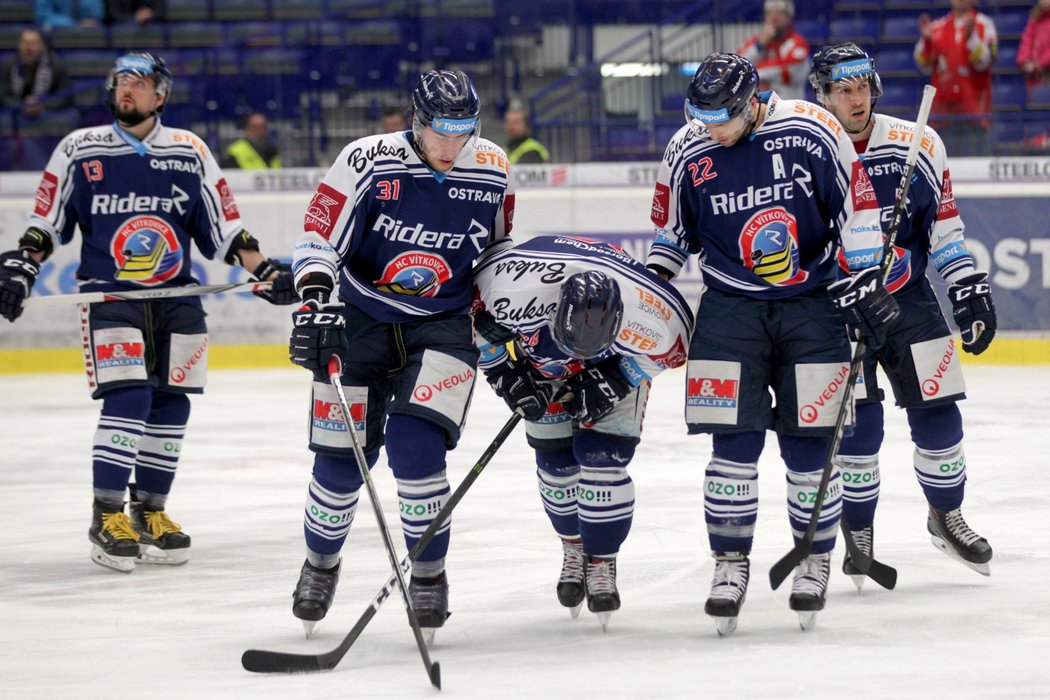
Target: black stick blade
<point>260,661</point>
<point>435,675</point>
<point>783,568</point>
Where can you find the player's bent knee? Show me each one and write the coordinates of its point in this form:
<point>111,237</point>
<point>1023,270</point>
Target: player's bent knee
<point>415,447</point>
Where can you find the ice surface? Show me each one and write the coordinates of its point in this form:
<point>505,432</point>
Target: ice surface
<point>70,629</point>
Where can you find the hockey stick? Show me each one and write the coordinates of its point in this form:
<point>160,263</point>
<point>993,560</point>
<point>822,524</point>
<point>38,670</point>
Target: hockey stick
<point>885,576</point>
<point>147,294</point>
<point>261,661</point>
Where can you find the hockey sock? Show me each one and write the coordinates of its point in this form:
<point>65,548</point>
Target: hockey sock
<point>860,488</point>
<point>558,476</point>
<point>116,442</point>
<point>730,504</point>
<point>606,502</point>
<point>942,475</point>
<point>419,501</point>
<point>415,449</point>
<point>326,523</point>
<point>804,457</point>
<point>160,446</point>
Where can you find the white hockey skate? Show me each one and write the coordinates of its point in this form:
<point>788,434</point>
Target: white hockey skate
<point>950,534</point>
<point>865,540</point>
<point>603,598</point>
<point>728,590</point>
<point>161,540</point>
<point>809,588</point>
<point>114,542</point>
<point>571,591</point>
<point>313,594</point>
<point>430,603</point>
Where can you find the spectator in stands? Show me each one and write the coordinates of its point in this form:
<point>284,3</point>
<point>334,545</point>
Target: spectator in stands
<point>959,50</point>
<point>137,11</point>
<point>780,54</point>
<point>393,120</point>
<point>48,14</point>
<point>521,147</point>
<point>1033,56</point>
<point>255,150</point>
<point>32,75</point>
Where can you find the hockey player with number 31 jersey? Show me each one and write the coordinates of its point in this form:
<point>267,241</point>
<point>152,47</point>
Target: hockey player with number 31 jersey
<point>571,332</point>
<point>765,190</point>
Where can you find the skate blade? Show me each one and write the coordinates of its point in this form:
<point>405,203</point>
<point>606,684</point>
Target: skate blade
<point>982,569</point>
<point>308,627</point>
<point>603,619</point>
<point>124,565</point>
<point>148,554</point>
<point>429,633</point>
<point>807,620</point>
<point>725,626</point>
<point>575,610</point>
<point>858,581</point>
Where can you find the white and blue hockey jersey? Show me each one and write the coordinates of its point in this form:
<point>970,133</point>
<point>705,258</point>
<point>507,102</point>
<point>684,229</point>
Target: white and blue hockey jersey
<point>400,237</point>
<point>520,285</point>
<point>766,215</point>
<point>931,228</point>
<point>138,204</point>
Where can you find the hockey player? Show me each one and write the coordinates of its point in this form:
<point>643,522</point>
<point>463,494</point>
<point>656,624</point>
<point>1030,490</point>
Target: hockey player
<point>398,220</point>
<point>764,189</point>
<point>142,194</point>
<point>919,356</point>
<point>568,316</point>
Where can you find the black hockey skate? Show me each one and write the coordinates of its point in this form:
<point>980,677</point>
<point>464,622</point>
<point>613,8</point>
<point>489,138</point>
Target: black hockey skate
<point>602,596</point>
<point>430,603</point>
<point>865,541</point>
<point>161,540</point>
<point>728,590</point>
<point>114,542</point>
<point>571,591</point>
<point>950,534</point>
<point>313,594</point>
<point>809,589</point>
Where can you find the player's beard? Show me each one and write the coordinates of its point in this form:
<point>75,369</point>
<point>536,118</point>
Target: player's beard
<point>130,117</point>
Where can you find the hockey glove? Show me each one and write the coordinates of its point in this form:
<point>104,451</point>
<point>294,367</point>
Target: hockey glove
<point>283,291</point>
<point>318,332</point>
<point>518,386</point>
<point>18,272</point>
<point>974,311</point>
<point>868,309</point>
<point>595,391</point>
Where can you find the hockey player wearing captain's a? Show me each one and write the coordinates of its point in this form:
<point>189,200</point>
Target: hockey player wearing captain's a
<point>142,196</point>
<point>571,332</point>
<point>384,266</point>
<point>919,356</point>
<point>765,191</point>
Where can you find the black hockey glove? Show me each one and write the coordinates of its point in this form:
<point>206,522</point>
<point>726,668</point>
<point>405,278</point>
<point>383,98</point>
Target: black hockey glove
<point>596,390</point>
<point>974,311</point>
<point>283,291</point>
<point>516,383</point>
<point>868,309</point>
<point>18,272</point>
<point>318,332</point>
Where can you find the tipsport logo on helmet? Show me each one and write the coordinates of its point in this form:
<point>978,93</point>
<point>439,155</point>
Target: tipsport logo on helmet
<point>454,126</point>
<point>769,247</point>
<point>146,251</point>
<point>133,64</point>
<point>852,69</point>
<point>414,274</point>
<point>708,116</point>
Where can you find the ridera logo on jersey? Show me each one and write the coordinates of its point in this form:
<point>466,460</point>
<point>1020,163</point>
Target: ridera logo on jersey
<point>415,274</point>
<point>45,194</point>
<point>146,251</point>
<point>324,210</point>
<point>769,247</point>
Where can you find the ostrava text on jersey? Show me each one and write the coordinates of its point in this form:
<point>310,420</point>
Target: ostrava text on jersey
<point>138,204</point>
<point>760,247</point>
<point>521,285</point>
<point>403,237</point>
<point>930,229</point>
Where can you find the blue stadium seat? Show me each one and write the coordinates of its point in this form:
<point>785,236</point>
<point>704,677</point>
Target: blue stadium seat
<point>901,95</point>
<point>298,9</point>
<point>900,30</point>
<point>87,63</point>
<point>253,33</point>
<point>1006,60</point>
<point>187,10</point>
<point>896,61</point>
<point>195,34</point>
<point>241,10</point>
<point>1008,95</point>
<point>135,37</point>
<point>78,37</point>
<point>1039,97</point>
<point>863,30</point>
<point>814,31</point>
<point>1010,25</point>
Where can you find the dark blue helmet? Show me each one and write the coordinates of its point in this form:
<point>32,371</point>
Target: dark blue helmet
<point>446,101</point>
<point>843,61</point>
<point>588,315</point>
<point>721,89</point>
<point>146,65</point>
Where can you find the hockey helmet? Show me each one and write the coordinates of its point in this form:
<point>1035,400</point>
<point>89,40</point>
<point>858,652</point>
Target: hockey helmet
<point>721,89</point>
<point>446,101</point>
<point>588,316</point>
<point>142,64</point>
<point>845,61</point>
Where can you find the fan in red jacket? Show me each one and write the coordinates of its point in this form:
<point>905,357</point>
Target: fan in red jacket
<point>780,54</point>
<point>959,50</point>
